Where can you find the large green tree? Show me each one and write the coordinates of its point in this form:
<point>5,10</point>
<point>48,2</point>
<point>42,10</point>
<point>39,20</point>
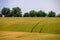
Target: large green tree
<point>32,13</point>
<point>16,12</point>
<point>51,14</point>
<point>41,14</point>
<point>5,11</point>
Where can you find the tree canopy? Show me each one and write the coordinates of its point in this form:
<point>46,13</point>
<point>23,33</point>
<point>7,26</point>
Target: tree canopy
<point>5,11</point>
<point>26,14</point>
<point>51,14</point>
<point>17,12</point>
<point>32,13</point>
<point>41,14</point>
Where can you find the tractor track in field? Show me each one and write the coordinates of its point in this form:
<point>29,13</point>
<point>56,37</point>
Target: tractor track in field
<point>42,28</point>
<point>35,26</point>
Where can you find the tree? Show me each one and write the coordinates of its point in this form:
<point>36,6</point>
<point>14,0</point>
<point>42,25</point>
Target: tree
<point>41,14</point>
<point>5,11</point>
<point>58,15</point>
<point>0,15</point>
<point>32,13</point>
<point>51,14</point>
<point>26,14</point>
<point>16,12</point>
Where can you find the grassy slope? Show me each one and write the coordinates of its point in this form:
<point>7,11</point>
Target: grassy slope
<point>48,25</point>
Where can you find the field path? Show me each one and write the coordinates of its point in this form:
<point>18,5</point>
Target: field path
<point>27,35</point>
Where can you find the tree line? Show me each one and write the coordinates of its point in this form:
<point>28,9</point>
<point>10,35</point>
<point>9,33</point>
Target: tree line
<point>16,12</point>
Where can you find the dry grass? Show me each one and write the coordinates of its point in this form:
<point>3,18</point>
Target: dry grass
<point>26,35</point>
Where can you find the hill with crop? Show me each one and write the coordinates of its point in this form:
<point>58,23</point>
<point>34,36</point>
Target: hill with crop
<point>28,24</point>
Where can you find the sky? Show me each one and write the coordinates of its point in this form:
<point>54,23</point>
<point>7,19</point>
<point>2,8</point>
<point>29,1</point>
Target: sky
<point>27,5</point>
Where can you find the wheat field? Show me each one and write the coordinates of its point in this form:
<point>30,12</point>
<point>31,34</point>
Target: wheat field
<point>29,28</point>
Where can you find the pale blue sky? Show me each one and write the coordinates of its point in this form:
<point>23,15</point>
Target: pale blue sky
<point>27,5</point>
